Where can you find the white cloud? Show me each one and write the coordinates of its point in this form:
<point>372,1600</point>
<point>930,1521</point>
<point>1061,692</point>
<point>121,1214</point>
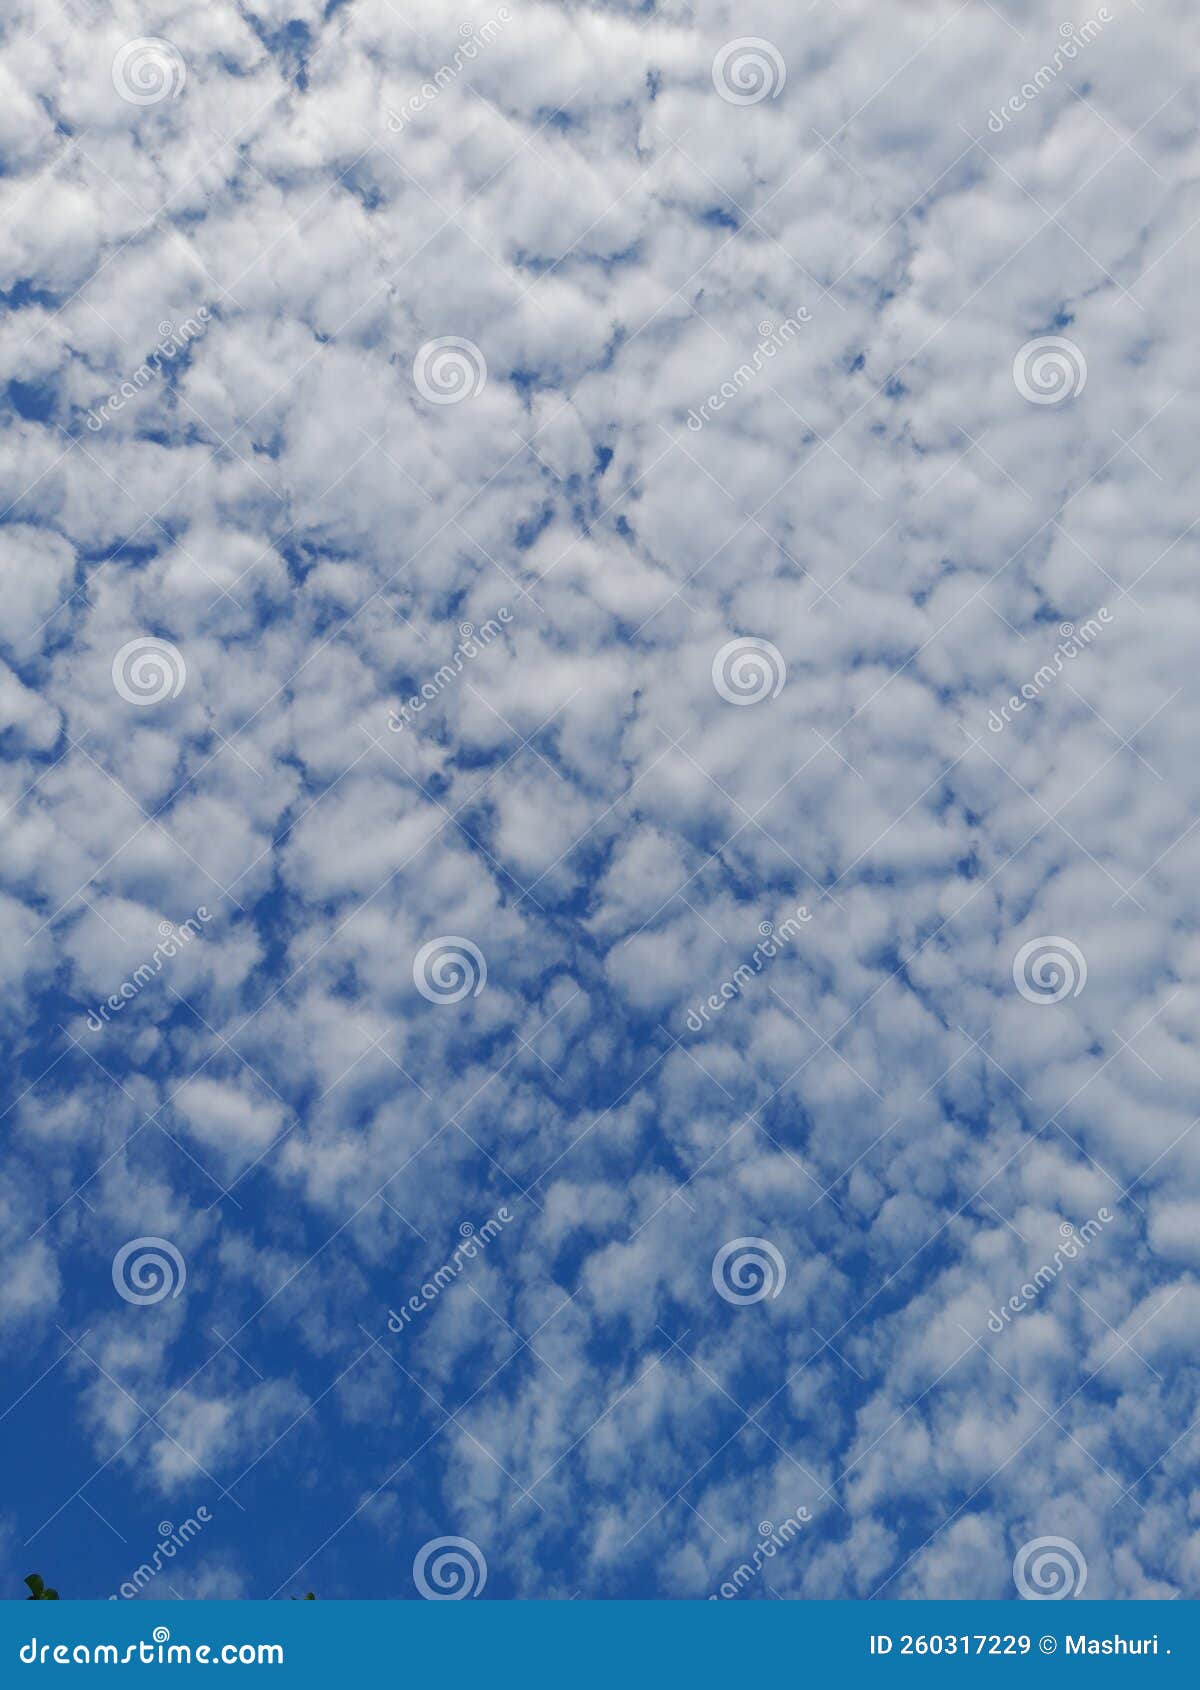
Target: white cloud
<point>878,501</point>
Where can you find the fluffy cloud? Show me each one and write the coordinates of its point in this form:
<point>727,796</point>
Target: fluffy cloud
<point>721,368</point>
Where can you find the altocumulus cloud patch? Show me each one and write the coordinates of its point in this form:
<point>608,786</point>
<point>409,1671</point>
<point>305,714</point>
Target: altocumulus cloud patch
<point>553,1047</point>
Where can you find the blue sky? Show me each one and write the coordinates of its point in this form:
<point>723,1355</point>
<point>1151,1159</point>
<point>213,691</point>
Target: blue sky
<point>594,718</point>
